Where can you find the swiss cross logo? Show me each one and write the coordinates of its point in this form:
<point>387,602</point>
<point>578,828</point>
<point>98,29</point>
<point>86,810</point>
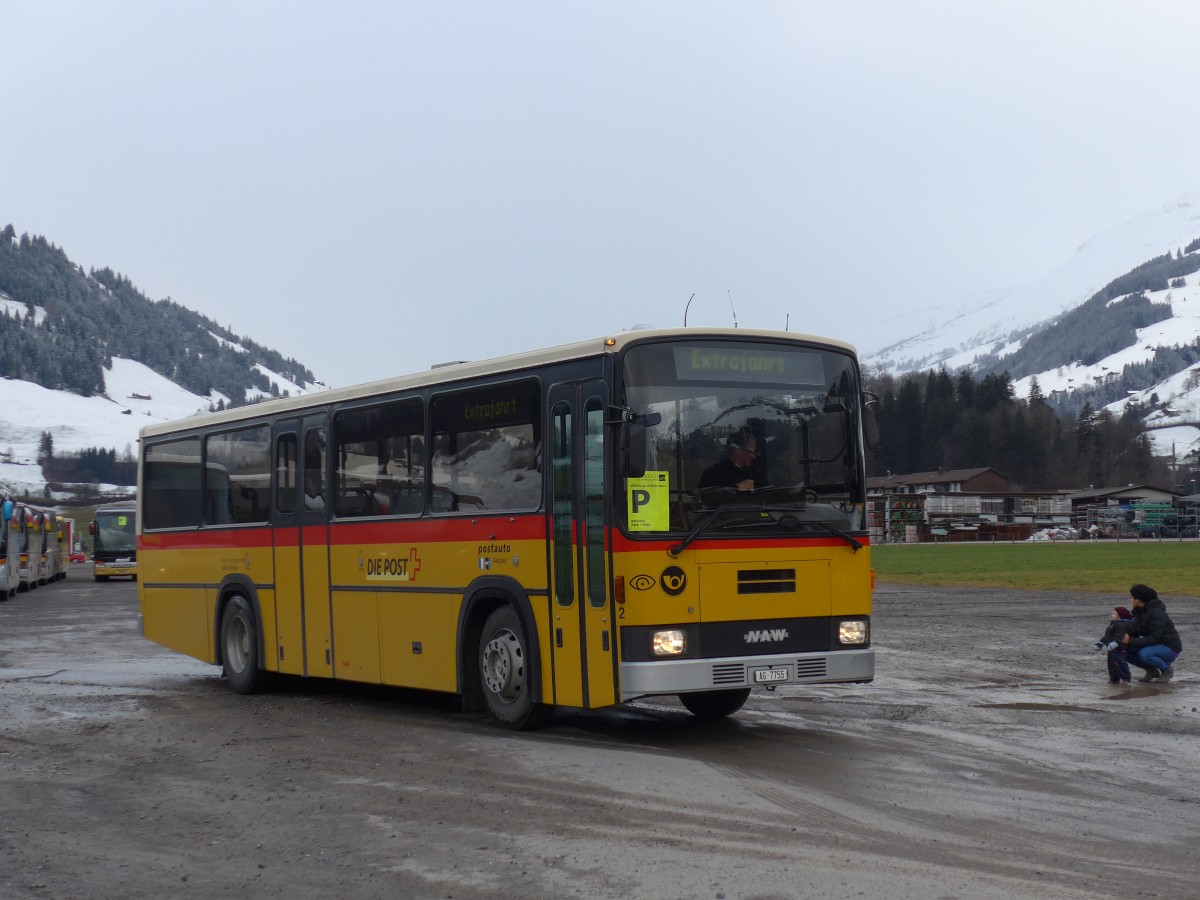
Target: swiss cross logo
<point>414,564</point>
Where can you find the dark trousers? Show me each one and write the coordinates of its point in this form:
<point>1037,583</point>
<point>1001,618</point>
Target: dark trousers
<point>1118,666</point>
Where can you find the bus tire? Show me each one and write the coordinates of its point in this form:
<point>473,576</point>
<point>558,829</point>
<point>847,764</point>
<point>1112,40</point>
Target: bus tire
<point>239,647</point>
<point>505,672</point>
<point>714,704</point>
<point>102,578</point>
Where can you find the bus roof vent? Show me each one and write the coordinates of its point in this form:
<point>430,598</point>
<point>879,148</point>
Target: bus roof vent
<point>453,362</point>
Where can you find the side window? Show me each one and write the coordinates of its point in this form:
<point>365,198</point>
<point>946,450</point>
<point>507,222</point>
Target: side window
<point>237,476</point>
<point>597,585</point>
<point>486,452</point>
<point>380,460</point>
<point>171,484</point>
<point>561,496</point>
<point>286,467</point>
<point>314,469</point>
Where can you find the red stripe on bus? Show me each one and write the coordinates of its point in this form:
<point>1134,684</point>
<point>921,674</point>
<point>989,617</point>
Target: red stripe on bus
<point>531,527</point>
<point>287,537</point>
<point>523,528</point>
<point>211,539</point>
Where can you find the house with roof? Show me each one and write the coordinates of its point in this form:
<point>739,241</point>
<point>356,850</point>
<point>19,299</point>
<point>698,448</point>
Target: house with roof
<point>960,504</point>
<point>1143,508</point>
<point>943,481</point>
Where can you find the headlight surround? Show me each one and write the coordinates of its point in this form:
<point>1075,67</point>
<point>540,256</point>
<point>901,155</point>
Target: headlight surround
<point>854,632</point>
<point>670,642</point>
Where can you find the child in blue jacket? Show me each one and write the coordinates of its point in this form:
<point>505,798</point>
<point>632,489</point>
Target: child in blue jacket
<point>1120,623</point>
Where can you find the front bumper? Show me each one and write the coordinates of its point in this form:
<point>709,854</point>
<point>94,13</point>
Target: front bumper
<point>640,679</point>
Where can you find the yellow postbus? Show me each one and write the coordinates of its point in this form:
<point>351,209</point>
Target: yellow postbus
<point>10,539</point>
<point>114,541</point>
<point>555,528</point>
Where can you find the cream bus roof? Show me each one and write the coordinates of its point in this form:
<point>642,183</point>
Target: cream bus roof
<point>449,373</point>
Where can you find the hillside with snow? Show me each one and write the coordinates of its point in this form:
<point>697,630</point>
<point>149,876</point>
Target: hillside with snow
<point>1172,405</point>
<point>135,396</point>
<point>953,335</point>
<point>959,336</point>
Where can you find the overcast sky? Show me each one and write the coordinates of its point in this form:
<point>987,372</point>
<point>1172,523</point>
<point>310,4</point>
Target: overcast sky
<point>374,187</point>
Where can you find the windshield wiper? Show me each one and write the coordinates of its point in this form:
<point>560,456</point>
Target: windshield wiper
<point>829,529</point>
<point>782,510</point>
<point>695,532</point>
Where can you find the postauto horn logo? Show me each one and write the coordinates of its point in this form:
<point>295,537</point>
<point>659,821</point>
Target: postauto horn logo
<point>673,581</point>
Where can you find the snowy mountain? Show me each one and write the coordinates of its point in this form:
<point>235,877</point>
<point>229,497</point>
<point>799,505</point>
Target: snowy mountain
<point>136,396</point>
<point>973,333</point>
<point>87,359</point>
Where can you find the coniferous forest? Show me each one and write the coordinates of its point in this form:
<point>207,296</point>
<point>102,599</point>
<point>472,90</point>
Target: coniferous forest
<point>90,318</point>
<point>933,421</point>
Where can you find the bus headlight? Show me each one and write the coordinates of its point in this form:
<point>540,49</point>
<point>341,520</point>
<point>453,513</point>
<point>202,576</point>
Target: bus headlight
<point>854,632</point>
<point>668,643</point>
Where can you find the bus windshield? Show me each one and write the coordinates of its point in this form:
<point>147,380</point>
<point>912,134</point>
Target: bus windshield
<point>754,437</point>
<point>114,533</point>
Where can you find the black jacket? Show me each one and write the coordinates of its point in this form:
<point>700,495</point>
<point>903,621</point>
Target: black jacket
<point>1154,627</point>
<point>724,473</point>
<point>1116,630</point>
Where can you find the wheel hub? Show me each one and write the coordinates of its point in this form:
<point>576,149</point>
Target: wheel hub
<point>504,666</point>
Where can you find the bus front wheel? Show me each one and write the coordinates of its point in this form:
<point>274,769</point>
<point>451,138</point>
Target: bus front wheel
<point>239,646</point>
<point>505,672</point>
<point>714,704</point>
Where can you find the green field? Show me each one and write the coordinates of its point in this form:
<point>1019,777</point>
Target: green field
<point>1170,567</point>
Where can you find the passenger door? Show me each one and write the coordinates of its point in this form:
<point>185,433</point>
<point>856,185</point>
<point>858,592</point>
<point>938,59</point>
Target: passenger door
<point>302,607</point>
<point>582,632</point>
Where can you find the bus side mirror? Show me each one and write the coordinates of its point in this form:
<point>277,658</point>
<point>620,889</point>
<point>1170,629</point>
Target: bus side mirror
<point>634,449</point>
<point>8,508</point>
<point>91,527</point>
<point>870,421</point>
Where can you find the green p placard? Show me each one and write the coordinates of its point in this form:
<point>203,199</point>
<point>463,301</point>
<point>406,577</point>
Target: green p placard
<point>648,501</point>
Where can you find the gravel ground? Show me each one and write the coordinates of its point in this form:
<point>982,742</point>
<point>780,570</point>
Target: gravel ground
<point>989,758</point>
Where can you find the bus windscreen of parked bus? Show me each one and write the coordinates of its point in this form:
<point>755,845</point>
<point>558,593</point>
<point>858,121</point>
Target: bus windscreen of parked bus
<point>114,543</point>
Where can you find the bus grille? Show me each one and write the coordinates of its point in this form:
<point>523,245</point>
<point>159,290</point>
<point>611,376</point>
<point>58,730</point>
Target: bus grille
<point>766,581</point>
<point>810,668</point>
<point>725,674</point>
<point>729,673</point>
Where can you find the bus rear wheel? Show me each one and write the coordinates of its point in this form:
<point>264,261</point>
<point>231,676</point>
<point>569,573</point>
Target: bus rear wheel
<point>506,673</point>
<point>714,704</point>
<point>239,647</point>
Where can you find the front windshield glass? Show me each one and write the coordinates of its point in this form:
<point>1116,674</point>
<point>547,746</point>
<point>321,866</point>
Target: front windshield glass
<point>754,436</point>
<point>115,532</point>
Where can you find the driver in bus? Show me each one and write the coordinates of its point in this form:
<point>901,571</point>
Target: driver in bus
<point>739,468</point>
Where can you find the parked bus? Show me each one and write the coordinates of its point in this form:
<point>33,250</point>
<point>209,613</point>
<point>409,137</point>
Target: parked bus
<point>531,531</point>
<point>114,541</point>
<point>10,562</point>
<point>29,557</point>
<point>66,543</point>
<point>48,569</point>
<point>57,553</point>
